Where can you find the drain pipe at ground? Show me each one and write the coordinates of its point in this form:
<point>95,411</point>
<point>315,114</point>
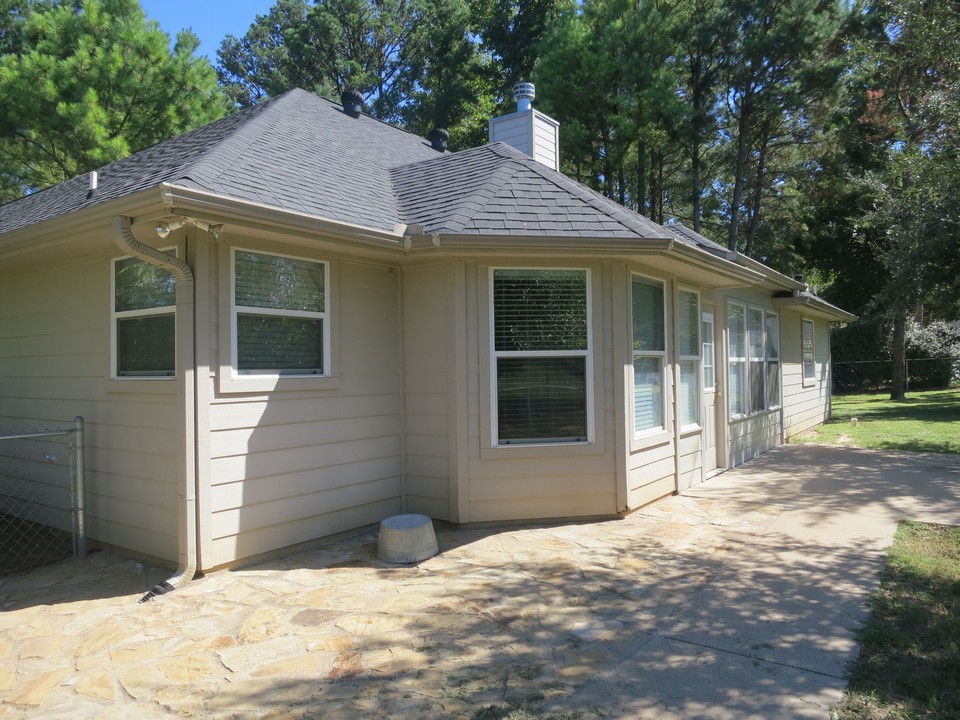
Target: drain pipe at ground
<point>186,393</point>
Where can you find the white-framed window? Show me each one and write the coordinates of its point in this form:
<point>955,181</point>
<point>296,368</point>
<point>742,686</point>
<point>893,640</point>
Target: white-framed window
<point>541,369</point>
<point>649,355</point>
<point>709,371</point>
<point>279,314</point>
<point>753,338</point>
<point>688,347</point>
<point>143,319</point>
<point>807,351</point>
<point>772,344</point>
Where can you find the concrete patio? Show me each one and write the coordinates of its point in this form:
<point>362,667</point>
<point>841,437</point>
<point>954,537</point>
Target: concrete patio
<point>734,600</point>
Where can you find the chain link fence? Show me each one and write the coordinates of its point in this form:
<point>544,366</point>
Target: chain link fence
<point>41,498</point>
<point>921,373</point>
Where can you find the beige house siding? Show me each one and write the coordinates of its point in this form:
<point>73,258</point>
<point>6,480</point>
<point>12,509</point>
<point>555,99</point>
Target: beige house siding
<point>291,465</point>
<point>55,365</point>
<point>428,382</point>
<point>807,406</point>
<point>652,474</point>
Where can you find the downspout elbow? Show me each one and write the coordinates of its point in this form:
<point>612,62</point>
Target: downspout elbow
<point>187,520</point>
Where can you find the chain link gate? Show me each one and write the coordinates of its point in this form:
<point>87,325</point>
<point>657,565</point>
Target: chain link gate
<point>41,498</point>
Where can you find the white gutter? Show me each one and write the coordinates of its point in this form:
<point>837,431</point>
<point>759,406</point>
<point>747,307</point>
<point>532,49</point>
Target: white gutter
<point>186,395</point>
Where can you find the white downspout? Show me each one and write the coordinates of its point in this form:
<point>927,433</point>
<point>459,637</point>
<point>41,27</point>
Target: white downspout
<point>187,505</point>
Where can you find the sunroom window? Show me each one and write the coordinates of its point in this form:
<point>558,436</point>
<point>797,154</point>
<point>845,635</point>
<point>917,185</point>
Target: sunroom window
<point>649,355</point>
<point>280,314</point>
<point>808,356</point>
<point>541,348</point>
<point>754,360</point>
<point>144,319</point>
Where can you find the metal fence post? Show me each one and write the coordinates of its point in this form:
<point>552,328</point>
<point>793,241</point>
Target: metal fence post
<point>78,502</point>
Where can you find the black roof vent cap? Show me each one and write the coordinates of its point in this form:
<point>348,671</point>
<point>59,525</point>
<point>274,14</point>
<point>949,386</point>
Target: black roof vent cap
<point>439,138</point>
<point>352,101</point>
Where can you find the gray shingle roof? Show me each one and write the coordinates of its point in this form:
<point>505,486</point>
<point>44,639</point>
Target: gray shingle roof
<point>296,151</point>
<point>300,152</point>
<point>498,190</point>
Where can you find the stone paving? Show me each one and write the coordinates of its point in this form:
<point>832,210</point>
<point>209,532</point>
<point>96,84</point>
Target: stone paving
<point>505,617</point>
<point>736,600</point>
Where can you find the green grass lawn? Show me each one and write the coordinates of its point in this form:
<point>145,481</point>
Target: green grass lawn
<point>909,663</point>
<point>926,421</point>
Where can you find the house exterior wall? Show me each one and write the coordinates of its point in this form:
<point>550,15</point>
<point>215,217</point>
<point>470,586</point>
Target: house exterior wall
<point>55,365</point>
<point>805,404</point>
<point>429,380</point>
<point>301,457</point>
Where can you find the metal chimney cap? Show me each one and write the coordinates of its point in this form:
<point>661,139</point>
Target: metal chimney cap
<point>524,93</point>
<point>352,101</point>
<point>438,138</point>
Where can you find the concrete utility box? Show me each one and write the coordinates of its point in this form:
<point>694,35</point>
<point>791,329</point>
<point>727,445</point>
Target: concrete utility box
<point>407,539</point>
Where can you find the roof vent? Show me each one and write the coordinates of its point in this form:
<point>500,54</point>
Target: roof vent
<point>92,184</point>
<point>438,138</point>
<point>352,101</point>
<point>524,93</point>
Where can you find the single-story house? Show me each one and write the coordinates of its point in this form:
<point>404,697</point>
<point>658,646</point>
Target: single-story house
<point>299,320</point>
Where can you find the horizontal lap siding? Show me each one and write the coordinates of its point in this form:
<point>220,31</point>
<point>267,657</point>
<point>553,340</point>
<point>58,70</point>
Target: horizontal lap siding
<point>651,474</point>
<point>427,386</point>
<point>287,467</point>
<point>54,365</point>
<point>752,436</point>
<point>804,407</point>
<point>691,460</point>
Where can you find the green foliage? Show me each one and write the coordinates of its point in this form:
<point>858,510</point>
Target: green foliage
<point>909,664</point>
<point>417,62</point>
<point>256,66</point>
<point>90,83</point>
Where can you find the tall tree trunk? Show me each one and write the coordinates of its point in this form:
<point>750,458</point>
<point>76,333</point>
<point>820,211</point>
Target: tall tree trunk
<point>740,171</point>
<point>898,389</point>
<point>755,201</point>
<point>642,178</point>
<point>695,186</point>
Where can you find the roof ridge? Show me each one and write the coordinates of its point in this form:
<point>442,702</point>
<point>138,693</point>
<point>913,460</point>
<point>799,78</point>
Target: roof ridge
<point>246,133</point>
<point>460,215</point>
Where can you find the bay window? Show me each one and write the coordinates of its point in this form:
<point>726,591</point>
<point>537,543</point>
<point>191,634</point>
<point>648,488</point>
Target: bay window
<point>688,322</point>
<point>649,355</point>
<point>541,355</point>
<point>754,360</point>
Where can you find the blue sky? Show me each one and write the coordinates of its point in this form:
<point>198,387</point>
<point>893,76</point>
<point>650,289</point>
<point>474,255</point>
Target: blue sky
<point>211,20</point>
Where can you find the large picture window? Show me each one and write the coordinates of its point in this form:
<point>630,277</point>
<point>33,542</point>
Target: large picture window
<point>649,355</point>
<point>280,317</point>
<point>541,347</point>
<point>754,360</point>
<point>688,322</point>
<point>144,319</point>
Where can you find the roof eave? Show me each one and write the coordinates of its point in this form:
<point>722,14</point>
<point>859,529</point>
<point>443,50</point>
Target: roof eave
<point>49,235</point>
<point>814,306</point>
<point>249,215</point>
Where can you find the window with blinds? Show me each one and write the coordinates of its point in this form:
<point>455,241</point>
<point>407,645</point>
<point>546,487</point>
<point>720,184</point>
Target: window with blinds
<point>649,355</point>
<point>280,314</point>
<point>688,324</point>
<point>541,346</point>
